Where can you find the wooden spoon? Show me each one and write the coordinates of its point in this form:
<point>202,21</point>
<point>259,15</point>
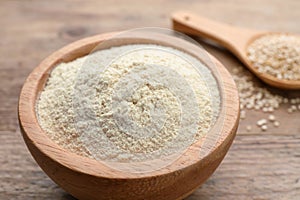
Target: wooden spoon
<point>233,38</point>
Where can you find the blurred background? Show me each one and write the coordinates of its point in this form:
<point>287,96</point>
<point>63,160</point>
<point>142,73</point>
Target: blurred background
<point>259,165</point>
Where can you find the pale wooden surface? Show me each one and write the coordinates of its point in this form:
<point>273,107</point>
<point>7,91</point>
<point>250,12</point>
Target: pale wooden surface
<point>259,165</point>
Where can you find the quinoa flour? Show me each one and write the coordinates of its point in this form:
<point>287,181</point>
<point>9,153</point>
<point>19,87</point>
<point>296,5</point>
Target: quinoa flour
<point>129,103</point>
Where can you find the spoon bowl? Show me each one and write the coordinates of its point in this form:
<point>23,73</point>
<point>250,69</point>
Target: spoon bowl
<point>233,38</point>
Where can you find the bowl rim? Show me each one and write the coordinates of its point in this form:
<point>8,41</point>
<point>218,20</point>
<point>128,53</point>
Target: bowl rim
<point>33,133</point>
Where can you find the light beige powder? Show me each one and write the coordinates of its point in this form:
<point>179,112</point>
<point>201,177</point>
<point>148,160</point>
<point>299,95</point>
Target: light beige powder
<point>129,103</point>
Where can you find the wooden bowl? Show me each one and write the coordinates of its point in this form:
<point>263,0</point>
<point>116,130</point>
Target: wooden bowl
<point>86,178</point>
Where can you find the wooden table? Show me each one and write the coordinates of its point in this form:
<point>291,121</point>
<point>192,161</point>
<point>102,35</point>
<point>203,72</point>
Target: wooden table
<point>259,165</point>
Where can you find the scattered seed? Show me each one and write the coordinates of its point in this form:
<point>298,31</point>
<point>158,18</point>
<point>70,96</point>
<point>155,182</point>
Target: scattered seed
<point>255,96</point>
<point>265,109</point>
<point>271,118</point>
<point>264,127</point>
<point>261,122</point>
<point>293,101</point>
<point>294,108</point>
<point>243,114</point>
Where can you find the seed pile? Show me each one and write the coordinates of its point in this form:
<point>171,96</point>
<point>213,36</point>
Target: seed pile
<point>115,123</point>
<point>277,55</point>
<point>254,96</point>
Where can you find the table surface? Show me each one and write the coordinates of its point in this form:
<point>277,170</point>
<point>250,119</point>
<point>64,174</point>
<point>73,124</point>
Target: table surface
<point>259,165</point>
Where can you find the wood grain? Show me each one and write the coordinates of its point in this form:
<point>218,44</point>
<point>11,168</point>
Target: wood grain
<point>259,165</point>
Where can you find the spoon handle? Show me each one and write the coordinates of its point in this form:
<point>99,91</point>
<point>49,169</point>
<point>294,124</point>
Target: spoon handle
<point>233,38</point>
